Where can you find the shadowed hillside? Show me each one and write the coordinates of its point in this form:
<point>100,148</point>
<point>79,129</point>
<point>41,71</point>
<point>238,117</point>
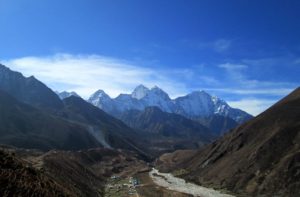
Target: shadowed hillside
<point>28,90</point>
<point>168,131</point>
<point>24,126</point>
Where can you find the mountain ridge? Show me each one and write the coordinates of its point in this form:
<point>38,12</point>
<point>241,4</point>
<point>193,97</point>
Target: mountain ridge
<point>197,104</point>
<point>28,89</point>
<point>168,131</point>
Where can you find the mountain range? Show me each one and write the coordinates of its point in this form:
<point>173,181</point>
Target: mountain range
<point>75,146</point>
<point>69,122</point>
<point>195,105</point>
<point>199,106</point>
<point>33,116</point>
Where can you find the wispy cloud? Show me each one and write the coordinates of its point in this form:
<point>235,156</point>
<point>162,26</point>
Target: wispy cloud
<point>88,73</point>
<point>235,72</point>
<point>221,45</point>
<point>253,106</point>
<point>267,92</point>
<point>238,75</point>
<point>230,66</point>
<point>297,61</point>
<point>255,95</point>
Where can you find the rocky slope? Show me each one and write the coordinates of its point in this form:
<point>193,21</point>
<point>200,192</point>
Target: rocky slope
<point>258,158</point>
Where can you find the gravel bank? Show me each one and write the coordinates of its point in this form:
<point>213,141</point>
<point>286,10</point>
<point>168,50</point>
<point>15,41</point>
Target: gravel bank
<point>170,182</point>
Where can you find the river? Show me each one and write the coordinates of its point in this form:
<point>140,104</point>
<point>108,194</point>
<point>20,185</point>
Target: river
<point>170,182</point>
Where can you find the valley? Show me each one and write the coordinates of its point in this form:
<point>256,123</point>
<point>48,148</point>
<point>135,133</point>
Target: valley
<point>95,172</point>
<point>149,98</point>
<point>143,144</point>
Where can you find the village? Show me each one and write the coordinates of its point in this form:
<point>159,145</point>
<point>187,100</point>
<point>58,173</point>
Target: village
<point>118,186</point>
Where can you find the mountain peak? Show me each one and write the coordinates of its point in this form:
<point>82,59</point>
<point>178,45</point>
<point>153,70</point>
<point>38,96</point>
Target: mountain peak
<point>157,89</point>
<point>31,77</point>
<point>141,86</point>
<point>99,93</point>
<point>73,98</point>
<point>158,93</point>
<point>199,93</point>
<point>101,100</point>
<point>64,94</point>
<point>139,92</point>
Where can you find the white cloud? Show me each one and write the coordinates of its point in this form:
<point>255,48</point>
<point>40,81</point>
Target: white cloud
<point>222,45</point>
<point>266,91</point>
<point>230,66</point>
<point>252,105</point>
<point>235,72</point>
<point>239,78</point>
<point>88,73</point>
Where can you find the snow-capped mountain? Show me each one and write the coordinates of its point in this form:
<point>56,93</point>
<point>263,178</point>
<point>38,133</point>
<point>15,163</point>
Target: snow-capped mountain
<point>65,94</point>
<point>126,102</point>
<point>157,97</point>
<point>139,99</point>
<point>194,105</point>
<point>201,104</point>
<point>102,100</point>
<point>140,92</point>
<point>197,103</point>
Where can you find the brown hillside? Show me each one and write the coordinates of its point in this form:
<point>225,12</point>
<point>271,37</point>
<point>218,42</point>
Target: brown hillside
<point>260,157</point>
<point>17,178</point>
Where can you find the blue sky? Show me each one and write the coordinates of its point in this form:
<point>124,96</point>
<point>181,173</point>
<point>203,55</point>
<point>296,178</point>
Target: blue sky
<point>244,51</point>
